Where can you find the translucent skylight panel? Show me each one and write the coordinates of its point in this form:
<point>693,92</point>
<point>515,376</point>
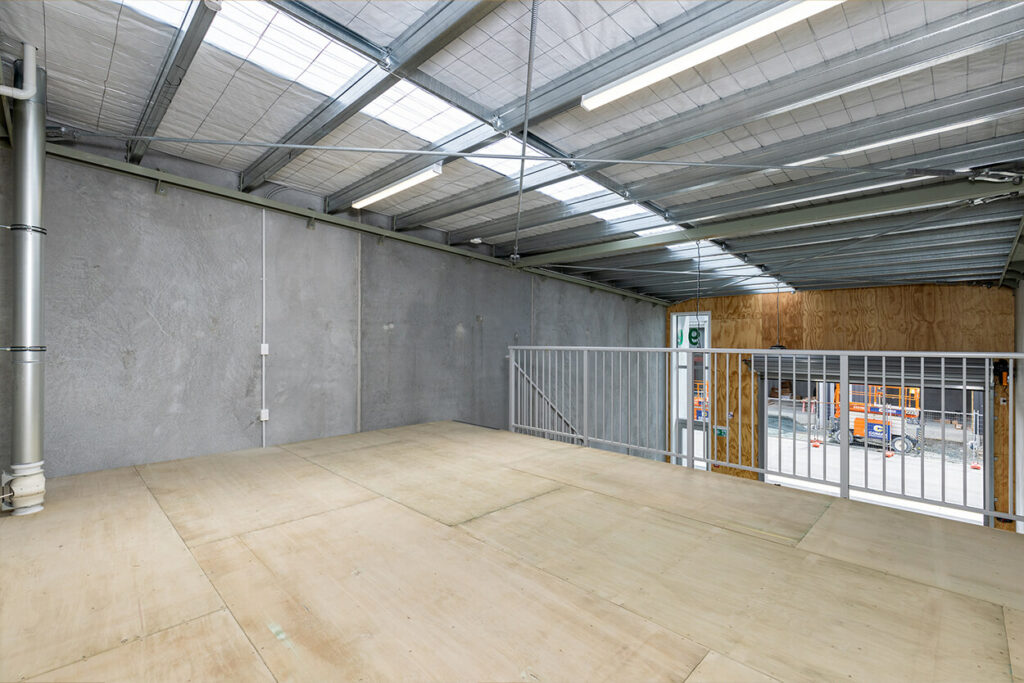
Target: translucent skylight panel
<point>334,66</point>
<point>416,111</point>
<point>288,46</point>
<point>238,26</point>
<point>573,188</point>
<point>168,11</point>
<point>620,212</point>
<point>507,167</point>
<point>660,231</point>
<point>259,33</point>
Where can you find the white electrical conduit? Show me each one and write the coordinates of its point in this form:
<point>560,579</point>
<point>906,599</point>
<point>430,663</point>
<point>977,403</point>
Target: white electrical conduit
<point>28,86</point>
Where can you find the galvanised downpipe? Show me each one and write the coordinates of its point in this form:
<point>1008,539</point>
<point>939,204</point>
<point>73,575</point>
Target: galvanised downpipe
<point>26,485</point>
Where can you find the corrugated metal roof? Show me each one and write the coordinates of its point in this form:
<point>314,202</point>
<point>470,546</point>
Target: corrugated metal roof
<point>263,72</point>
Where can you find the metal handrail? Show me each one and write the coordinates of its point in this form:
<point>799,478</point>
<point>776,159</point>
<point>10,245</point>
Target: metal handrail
<point>629,399</point>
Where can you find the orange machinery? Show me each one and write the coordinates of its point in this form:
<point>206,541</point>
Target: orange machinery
<point>880,412</point>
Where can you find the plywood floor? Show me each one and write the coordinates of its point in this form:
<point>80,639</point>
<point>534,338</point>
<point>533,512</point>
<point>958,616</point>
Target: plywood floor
<point>455,553</point>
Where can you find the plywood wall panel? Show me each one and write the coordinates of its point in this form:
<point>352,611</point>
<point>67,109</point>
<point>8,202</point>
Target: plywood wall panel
<point>907,318</point>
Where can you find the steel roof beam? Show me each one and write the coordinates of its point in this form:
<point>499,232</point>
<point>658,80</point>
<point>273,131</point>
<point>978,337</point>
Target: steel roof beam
<point>1013,251</point>
<point>940,246</point>
<point>991,256</point>
<point>991,102</point>
<point>565,91</point>
<point>990,252</point>
<point>431,32</point>
<point>681,295</point>
<point>899,225</point>
<point>852,279</point>
<point>954,37</point>
<point>932,195</point>
<point>981,153</point>
<point>176,63</point>
<point>937,219</point>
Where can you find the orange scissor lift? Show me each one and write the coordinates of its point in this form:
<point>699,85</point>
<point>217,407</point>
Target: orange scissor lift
<point>880,414</point>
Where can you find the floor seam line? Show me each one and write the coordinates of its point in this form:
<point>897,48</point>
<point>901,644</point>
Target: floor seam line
<point>1006,633</point>
<point>706,655</point>
<point>595,595</point>
<point>215,589</point>
<point>120,644</point>
<point>815,522</point>
<point>506,507</point>
<point>239,534</point>
<point>756,533</point>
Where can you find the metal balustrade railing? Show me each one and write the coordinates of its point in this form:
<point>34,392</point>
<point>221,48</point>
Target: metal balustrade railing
<point>933,432</point>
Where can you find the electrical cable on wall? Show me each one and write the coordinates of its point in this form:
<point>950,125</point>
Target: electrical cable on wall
<point>514,258</point>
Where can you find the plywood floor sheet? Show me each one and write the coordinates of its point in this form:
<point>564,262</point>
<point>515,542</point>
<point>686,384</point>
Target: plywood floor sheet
<point>454,553</point>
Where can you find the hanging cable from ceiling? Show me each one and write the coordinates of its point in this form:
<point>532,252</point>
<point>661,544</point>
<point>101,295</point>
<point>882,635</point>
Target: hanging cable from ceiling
<point>698,280</point>
<point>778,319</point>
<point>514,258</point>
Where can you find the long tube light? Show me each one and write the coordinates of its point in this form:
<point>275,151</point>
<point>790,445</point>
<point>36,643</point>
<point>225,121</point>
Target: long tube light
<point>401,185</point>
<point>706,50</point>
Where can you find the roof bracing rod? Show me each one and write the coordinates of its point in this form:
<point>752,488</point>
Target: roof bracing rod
<point>179,57</point>
<point>932,195</point>
<point>418,43</point>
<point>1013,250</point>
<point>989,103</point>
<point>940,244</point>
<point>564,92</point>
<point>981,153</point>
<point>967,33</point>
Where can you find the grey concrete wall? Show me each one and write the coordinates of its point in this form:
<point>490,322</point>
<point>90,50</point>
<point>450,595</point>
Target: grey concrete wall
<point>312,329</point>
<point>436,329</point>
<point>152,306</point>
<point>154,320</point>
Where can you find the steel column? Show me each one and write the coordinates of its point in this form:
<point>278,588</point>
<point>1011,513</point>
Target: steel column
<point>27,344</point>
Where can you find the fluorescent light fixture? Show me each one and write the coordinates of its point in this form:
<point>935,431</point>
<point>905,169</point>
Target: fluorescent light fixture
<point>707,49</point>
<point>914,136</point>
<point>812,160</point>
<point>829,195</point>
<point>401,185</point>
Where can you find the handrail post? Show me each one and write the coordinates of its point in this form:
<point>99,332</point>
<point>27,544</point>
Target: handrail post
<point>688,400</point>
<point>511,390</point>
<point>989,441</point>
<point>586,398</point>
<point>844,426</point>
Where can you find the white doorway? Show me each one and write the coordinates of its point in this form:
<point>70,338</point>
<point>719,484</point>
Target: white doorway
<point>690,331</point>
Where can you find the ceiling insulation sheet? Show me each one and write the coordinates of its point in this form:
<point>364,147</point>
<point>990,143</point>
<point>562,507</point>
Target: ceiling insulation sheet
<point>101,58</point>
<point>226,98</point>
<point>380,22</point>
<point>457,177</point>
<point>327,171</point>
<point>488,62</point>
